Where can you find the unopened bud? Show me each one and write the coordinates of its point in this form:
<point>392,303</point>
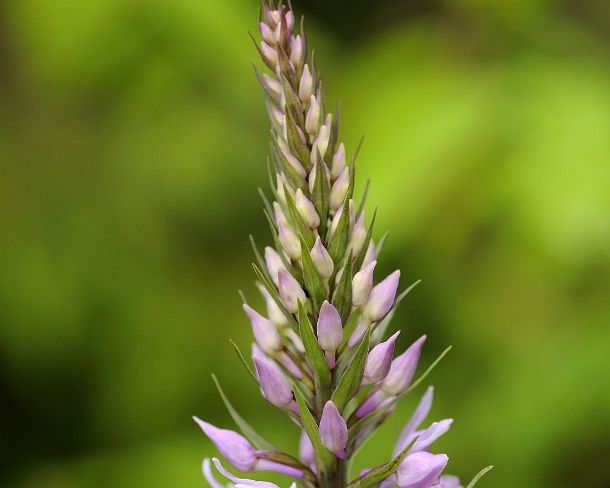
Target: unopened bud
<point>358,236</point>
<point>297,54</point>
<point>362,283</point>
<point>314,172</point>
<point>339,189</point>
<point>320,144</point>
<point>274,263</point>
<point>379,361</point>
<point>269,54</point>
<point>305,85</point>
<point>338,164</point>
<point>312,120</point>
<point>381,298</point>
<point>290,291</point>
<point>274,312</point>
<point>306,209</point>
<point>289,240</point>
<point>265,332</point>
<point>267,33</point>
<point>321,259</point>
<point>272,86</point>
<point>294,162</point>
<point>280,218</point>
<point>333,429</point>
<point>272,381</point>
<point>329,328</point>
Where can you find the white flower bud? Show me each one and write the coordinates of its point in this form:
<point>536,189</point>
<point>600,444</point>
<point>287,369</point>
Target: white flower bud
<point>312,120</point>
<point>296,51</point>
<point>273,311</point>
<point>280,218</point>
<point>306,209</point>
<point>312,174</point>
<point>320,144</point>
<point>274,263</point>
<point>294,162</point>
<point>305,85</point>
<point>362,284</point>
<point>280,188</point>
<point>290,291</point>
<point>338,164</point>
<point>267,33</point>
<point>272,85</point>
<point>339,189</point>
<point>289,240</point>
<point>358,236</point>
<point>321,259</point>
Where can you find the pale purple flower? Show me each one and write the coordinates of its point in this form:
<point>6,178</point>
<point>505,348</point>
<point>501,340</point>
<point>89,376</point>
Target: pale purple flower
<point>274,264</point>
<point>321,259</point>
<point>382,297</point>
<point>290,291</point>
<point>306,452</point>
<point>420,414</point>
<point>265,332</point>
<point>379,361</point>
<point>450,481</point>
<point>420,470</point>
<point>274,384</point>
<point>305,84</point>
<point>403,369</point>
<point>333,429</point>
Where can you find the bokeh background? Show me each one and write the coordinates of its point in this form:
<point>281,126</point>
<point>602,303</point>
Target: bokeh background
<point>132,140</point>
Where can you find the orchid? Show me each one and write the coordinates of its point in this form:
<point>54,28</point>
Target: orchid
<point>318,283</point>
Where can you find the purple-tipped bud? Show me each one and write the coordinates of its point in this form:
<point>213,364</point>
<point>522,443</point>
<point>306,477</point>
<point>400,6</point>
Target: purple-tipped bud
<point>289,240</point>
<point>362,283</point>
<point>320,144</point>
<point>379,361</point>
<point>290,291</point>
<point>305,85</point>
<point>234,447</point>
<point>265,332</point>
<point>306,452</point>
<point>330,331</point>
<point>269,54</point>
<point>274,263</point>
<point>339,189</point>
<point>381,298</point>
<point>267,33</point>
<point>275,387</point>
<point>306,209</point>
<point>312,120</point>
<point>338,164</point>
<point>297,52</point>
<point>294,162</point>
<point>420,470</point>
<point>403,369</point>
<point>274,312</point>
<point>333,429</point>
<point>321,259</point>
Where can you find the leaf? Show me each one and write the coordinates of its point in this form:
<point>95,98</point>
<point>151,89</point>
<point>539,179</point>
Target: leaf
<point>315,357</point>
<point>254,437</point>
<point>321,196</point>
<point>324,458</point>
<point>265,200</point>
<point>363,200</point>
<point>259,258</point>
<point>381,472</point>
<point>295,143</point>
<point>293,103</point>
<point>479,475</point>
<point>297,220</point>
<point>243,361</point>
<point>313,281</point>
<point>352,181</point>
<point>351,379</point>
<point>334,132</point>
<point>342,298</point>
<point>338,241</point>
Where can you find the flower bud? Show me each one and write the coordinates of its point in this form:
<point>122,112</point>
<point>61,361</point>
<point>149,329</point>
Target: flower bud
<point>294,162</point>
<point>272,86</point>
<point>338,164</point>
<point>289,240</point>
<point>279,184</point>
<point>337,217</point>
<point>274,263</point>
<point>289,17</point>
<point>290,291</point>
<point>356,240</point>
<point>280,218</point>
<point>359,331</point>
<point>297,55</point>
<point>320,144</point>
<point>314,172</point>
<point>312,120</point>
<point>381,298</point>
<point>269,54</point>
<point>306,209</point>
<point>274,384</point>
<point>274,312</point>
<point>420,470</point>
<point>339,189</point>
<point>329,329</point>
<point>362,283</point>
<point>265,332</point>
<point>333,430</point>
<point>267,33</point>
<point>234,447</point>
<point>402,369</point>
<point>379,361</point>
<point>321,259</point>
<point>305,84</point>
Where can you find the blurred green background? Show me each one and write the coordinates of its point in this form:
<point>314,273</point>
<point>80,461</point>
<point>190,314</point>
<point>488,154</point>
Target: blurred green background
<point>132,140</point>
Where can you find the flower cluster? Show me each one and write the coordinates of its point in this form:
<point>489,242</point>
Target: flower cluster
<point>320,353</point>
